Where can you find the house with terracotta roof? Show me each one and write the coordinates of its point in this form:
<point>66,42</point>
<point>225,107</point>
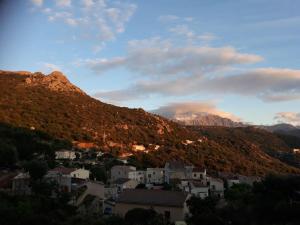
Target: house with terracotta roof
<point>171,204</point>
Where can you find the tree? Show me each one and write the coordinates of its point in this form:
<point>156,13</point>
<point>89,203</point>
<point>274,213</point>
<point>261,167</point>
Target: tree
<point>36,168</point>
<point>8,154</point>
<point>98,173</point>
<point>203,211</point>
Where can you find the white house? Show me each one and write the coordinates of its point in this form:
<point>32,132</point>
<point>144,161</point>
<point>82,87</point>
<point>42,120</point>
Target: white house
<point>139,176</point>
<point>216,187</point>
<point>138,148</point>
<point>155,175</point>
<point>199,173</point>
<point>80,174</point>
<point>72,172</point>
<point>120,171</point>
<point>125,183</point>
<point>65,154</point>
<point>199,189</point>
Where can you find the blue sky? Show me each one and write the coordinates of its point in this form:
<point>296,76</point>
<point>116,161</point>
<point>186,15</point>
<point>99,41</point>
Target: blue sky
<point>235,58</point>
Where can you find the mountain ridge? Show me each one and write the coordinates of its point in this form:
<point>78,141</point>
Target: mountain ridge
<point>74,116</point>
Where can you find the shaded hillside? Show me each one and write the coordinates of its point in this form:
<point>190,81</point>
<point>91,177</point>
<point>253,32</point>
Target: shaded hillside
<point>51,104</point>
<point>247,138</point>
<point>284,129</point>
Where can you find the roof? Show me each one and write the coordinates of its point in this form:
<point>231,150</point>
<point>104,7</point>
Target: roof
<point>216,179</point>
<point>198,169</point>
<point>152,197</point>
<point>63,170</point>
<point>121,180</point>
<point>199,184</point>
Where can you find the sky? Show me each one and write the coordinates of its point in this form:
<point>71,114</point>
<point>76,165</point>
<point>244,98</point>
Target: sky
<point>234,58</point>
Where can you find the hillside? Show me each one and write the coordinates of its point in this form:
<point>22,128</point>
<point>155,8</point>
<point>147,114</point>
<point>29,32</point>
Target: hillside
<point>53,105</point>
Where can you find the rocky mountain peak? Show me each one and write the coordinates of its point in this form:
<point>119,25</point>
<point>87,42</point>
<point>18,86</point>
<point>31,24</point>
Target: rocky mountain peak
<point>55,81</point>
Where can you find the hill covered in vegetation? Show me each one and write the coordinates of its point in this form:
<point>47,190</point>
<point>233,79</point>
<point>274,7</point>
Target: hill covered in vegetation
<point>52,105</point>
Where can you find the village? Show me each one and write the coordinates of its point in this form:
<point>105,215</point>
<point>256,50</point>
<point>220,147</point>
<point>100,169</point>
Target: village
<point>164,190</point>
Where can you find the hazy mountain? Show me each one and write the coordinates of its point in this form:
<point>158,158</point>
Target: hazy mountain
<point>283,128</point>
<point>53,105</point>
<point>200,119</point>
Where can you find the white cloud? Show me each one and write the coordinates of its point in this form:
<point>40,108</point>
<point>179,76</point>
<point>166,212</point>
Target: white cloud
<point>49,67</point>
<point>183,30</point>
<point>288,117</point>
<point>99,20</point>
<point>156,57</point>
<point>192,110</point>
<point>37,2</point>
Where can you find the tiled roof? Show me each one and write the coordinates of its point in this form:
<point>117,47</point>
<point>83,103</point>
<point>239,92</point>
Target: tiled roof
<point>198,169</point>
<point>152,197</point>
<point>63,170</point>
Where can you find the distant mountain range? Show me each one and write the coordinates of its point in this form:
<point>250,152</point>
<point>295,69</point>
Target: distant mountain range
<point>53,105</point>
<point>206,119</point>
<point>202,119</point>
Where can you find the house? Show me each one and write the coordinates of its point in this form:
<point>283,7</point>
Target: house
<point>250,180</point>
<point>21,184</point>
<point>72,172</point>
<point>216,187</point>
<point>125,183</point>
<point>120,171</point>
<point>138,148</point>
<point>155,175</point>
<point>198,173</point>
<point>177,170</point>
<point>91,200</point>
<point>65,154</point>
<point>199,189</point>
<point>139,176</point>
<point>63,180</point>
<point>170,204</point>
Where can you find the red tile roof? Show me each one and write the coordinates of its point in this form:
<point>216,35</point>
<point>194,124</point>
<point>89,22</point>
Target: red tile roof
<point>63,170</point>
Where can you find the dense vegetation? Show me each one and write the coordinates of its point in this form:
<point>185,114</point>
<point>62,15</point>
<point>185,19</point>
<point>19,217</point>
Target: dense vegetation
<point>74,116</point>
<point>274,201</point>
<point>19,144</point>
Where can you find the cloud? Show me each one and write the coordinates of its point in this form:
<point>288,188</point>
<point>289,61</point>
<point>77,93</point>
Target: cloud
<point>98,20</point>
<point>63,3</point>
<point>268,84</point>
<point>37,2</point>
<point>49,67</point>
<point>191,110</point>
<point>183,30</point>
<point>156,57</point>
<point>288,117</point>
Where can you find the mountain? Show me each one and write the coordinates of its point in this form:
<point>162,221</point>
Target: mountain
<point>200,119</point>
<point>283,128</point>
<point>52,105</point>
